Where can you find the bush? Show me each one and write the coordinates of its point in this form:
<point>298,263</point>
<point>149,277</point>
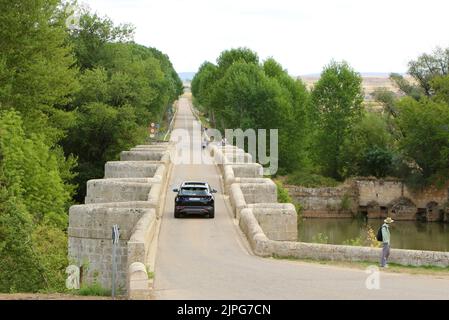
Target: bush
<point>320,238</point>
<point>310,180</point>
<point>283,196</point>
<point>346,202</point>
<point>94,289</point>
<point>366,239</point>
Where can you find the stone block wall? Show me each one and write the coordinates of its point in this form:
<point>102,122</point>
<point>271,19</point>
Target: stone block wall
<point>117,190</point>
<point>249,191</point>
<point>130,197</point>
<point>374,197</point>
<point>339,202</point>
<point>259,192</point>
<point>90,241</point>
<point>391,197</point>
<point>277,220</point>
<point>130,169</point>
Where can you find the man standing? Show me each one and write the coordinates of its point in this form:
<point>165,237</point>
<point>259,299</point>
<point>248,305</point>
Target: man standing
<point>385,242</point>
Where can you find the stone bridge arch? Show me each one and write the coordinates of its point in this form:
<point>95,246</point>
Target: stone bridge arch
<point>402,208</point>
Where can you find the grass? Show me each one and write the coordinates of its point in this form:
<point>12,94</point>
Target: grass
<point>94,289</point>
<point>284,197</point>
<point>362,265</point>
<point>149,273</point>
<point>310,180</point>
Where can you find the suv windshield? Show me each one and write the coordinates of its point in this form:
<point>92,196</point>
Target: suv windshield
<point>193,191</point>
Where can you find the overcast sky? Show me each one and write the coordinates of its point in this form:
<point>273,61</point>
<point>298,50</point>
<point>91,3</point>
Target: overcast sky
<point>372,35</point>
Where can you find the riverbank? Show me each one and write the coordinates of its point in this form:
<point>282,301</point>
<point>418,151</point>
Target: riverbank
<point>410,235</point>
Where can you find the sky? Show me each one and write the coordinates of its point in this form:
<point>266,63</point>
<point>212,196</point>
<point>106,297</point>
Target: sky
<point>304,36</point>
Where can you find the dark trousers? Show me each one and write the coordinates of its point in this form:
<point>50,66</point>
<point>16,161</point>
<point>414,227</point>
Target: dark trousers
<point>385,254</point>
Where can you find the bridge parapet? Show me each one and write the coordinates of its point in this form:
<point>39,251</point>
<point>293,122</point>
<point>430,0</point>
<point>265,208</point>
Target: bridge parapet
<point>271,228</point>
<point>257,196</point>
<point>130,196</point>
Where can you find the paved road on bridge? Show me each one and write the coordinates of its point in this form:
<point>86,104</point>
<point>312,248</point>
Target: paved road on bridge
<point>200,258</point>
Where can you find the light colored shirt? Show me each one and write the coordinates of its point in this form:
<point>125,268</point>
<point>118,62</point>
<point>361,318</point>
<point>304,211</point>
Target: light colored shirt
<point>385,233</point>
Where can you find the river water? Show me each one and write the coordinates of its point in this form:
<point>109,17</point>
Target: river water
<point>404,234</point>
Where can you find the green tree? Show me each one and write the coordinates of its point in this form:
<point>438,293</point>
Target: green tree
<point>93,34</point>
<point>336,106</point>
<point>428,66</point>
<point>100,134</point>
<point>368,149</point>
<point>243,55</point>
<point>440,86</point>
<point>425,144</point>
<point>241,93</point>
<point>132,84</point>
<point>294,127</point>
<point>202,87</point>
<point>29,165</point>
<point>38,77</point>
<point>33,201</point>
<point>406,86</point>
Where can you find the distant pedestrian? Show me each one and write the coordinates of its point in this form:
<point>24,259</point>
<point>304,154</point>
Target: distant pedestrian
<point>224,142</point>
<point>385,229</point>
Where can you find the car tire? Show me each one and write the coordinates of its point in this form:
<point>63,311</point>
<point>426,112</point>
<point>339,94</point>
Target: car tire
<point>177,215</point>
<point>212,215</point>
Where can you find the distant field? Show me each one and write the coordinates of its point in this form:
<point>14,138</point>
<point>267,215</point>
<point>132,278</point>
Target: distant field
<point>370,83</point>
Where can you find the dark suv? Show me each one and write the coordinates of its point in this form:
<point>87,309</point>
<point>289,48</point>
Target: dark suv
<point>195,198</point>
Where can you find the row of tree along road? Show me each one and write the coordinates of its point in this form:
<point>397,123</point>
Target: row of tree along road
<point>71,98</point>
<point>326,134</point>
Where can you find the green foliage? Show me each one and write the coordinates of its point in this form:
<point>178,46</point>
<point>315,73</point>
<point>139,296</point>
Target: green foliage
<point>31,171</point>
<point>243,55</point>
<point>426,137</point>
<point>93,33</point>
<point>124,87</point>
<point>346,202</point>
<point>356,242</point>
<point>366,239</point>
<point>94,290</point>
<point>326,136</point>
<point>310,180</point>
<point>427,67</point>
<point>377,162</point>
<point>100,134</point>
<point>241,93</point>
<point>283,196</point>
<point>440,86</point>
<point>336,107</point>
<point>50,248</point>
<point>202,87</point>
<point>368,150</point>
<point>320,238</point>
<point>406,86</point>
<point>38,78</point>
<point>55,118</point>
<point>18,267</point>
<point>33,203</point>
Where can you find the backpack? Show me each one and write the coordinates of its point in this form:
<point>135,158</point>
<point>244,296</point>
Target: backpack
<point>379,236</point>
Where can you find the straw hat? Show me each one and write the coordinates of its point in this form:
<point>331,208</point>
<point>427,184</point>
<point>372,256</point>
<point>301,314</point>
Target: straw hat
<point>388,220</point>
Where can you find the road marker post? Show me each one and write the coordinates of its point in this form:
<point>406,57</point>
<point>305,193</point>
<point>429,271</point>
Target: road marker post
<point>115,241</point>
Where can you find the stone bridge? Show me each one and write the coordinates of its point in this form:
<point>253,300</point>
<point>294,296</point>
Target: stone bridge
<point>210,258</point>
